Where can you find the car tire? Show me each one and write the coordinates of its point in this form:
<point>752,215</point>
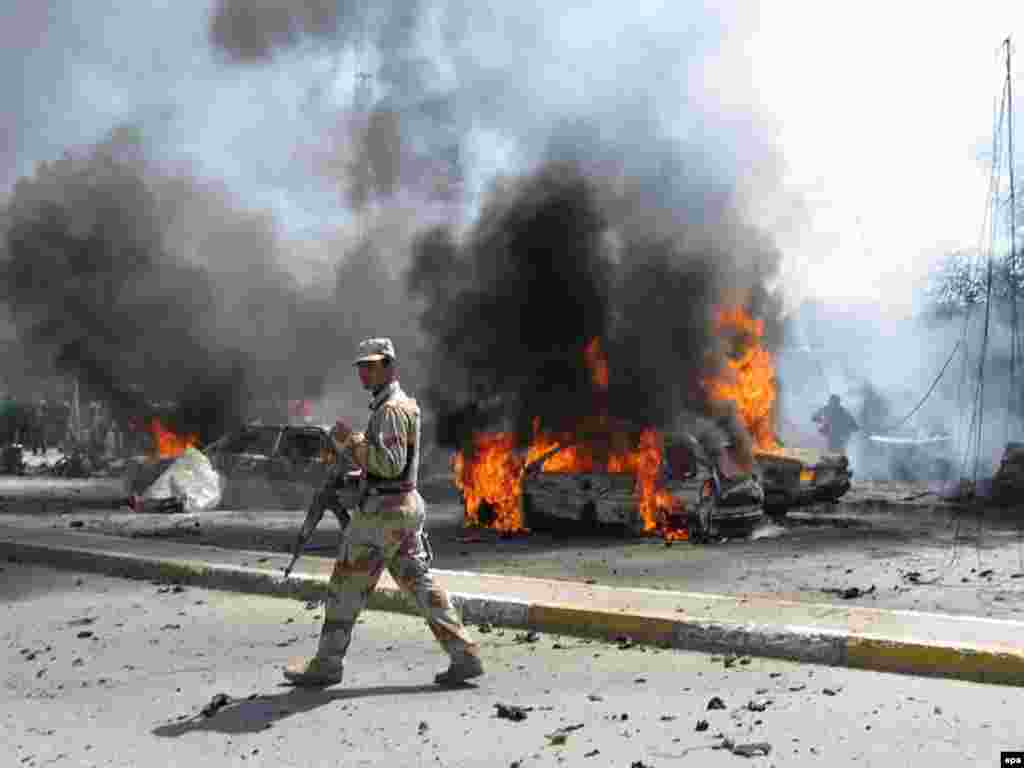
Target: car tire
<point>533,517</point>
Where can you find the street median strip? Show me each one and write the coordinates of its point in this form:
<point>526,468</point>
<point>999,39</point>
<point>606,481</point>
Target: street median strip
<point>988,658</point>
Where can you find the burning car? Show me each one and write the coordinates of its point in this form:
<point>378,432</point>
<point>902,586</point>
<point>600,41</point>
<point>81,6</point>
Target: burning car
<point>272,463</point>
<point>634,479</point>
<point>794,477</point>
<point>698,495</point>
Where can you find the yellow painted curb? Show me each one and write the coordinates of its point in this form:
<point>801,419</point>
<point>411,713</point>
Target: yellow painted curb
<point>979,665</point>
<point>561,618</point>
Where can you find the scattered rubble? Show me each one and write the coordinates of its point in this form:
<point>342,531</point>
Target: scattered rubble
<point>756,749</point>
<point>702,725</point>
<point>527,637</point>
<point>484,628</point>
<point>512,712</point>
<point>758,705</point>
<point>850,593</point>
<point>715,702</point>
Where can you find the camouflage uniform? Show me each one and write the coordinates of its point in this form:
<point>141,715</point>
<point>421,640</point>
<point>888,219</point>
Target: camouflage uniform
<point>386,532</point>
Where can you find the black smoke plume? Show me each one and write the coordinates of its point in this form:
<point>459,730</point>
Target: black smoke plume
<point>557,259</point>
<point>95,273</point>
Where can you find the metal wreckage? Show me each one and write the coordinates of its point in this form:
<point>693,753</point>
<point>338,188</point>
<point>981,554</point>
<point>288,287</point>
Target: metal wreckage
<point>675,484</point>
<point>672,483</point>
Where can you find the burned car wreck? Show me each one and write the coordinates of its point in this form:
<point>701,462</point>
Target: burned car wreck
<point>699,495</point>
<point>796,477</point>
<point>279,464</point>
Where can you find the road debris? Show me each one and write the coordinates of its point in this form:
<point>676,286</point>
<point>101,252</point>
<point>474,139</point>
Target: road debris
<point>216,703</point>
<point>527,637</point>
<point>595,697</point>
<point>849,593</point>
<point>512,712</point>
<point>592,753</point>
<point>85,634</point>
<point>85,622</point>
<point>624,642</point>
<point>702,725</point>
<point>715,702</point>
<point>484,628</point>
<point>831,691</point>
<point>758,705</point>
<point>423,727</point>
<point>166,627</point>
<point>755,749</point>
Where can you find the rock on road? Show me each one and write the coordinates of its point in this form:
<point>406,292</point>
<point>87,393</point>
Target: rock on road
<point>108,672</point>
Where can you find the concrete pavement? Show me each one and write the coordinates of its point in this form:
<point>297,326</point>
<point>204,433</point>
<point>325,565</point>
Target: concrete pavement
<point>113,673</point>
<point>964,647</point>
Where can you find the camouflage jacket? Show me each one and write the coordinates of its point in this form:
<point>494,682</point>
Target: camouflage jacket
<point>389,449</point>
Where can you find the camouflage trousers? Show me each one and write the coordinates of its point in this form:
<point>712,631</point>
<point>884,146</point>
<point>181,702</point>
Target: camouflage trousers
<point>386,533</point>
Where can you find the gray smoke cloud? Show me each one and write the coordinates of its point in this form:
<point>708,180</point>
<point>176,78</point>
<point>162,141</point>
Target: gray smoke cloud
<point>468,105</point>
<point>150,286</point>
<point>404,138</point>
<point>608,227</point>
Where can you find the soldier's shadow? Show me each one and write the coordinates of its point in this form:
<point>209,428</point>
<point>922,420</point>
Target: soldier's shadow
<point>260,712</point>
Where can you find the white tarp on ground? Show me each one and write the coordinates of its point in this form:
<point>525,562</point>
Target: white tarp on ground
<point>192,479</point>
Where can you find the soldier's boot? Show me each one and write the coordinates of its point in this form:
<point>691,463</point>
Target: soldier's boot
<point>464,666</point>
<point>317,672</point>
<point>327,666</point>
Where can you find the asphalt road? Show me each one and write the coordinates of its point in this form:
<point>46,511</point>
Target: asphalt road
<point>915,556</point>
<point>105,672</point>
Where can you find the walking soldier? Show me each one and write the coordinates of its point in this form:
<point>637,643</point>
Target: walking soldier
<point>385,532</point>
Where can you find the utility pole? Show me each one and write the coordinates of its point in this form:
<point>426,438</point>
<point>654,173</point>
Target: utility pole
<point>1014,267</point>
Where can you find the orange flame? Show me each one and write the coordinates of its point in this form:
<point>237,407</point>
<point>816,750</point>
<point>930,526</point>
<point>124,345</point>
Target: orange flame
<point>748,379</point>
<point>169,444</point>
<point>492,471</point>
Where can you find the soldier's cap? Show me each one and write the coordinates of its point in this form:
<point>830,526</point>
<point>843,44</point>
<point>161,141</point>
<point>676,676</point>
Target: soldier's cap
<point>375,349</point>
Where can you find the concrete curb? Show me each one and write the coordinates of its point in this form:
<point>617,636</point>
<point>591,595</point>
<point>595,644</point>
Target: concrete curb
<point>982,660</point>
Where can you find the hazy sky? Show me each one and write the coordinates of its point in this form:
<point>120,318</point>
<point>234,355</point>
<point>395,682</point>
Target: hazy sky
<point>856,132</point>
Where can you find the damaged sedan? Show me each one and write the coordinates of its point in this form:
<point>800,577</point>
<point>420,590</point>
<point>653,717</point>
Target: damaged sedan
<point>279,464</point>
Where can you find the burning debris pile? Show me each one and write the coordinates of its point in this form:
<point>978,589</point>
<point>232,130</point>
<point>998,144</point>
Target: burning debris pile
<point>521,315</point>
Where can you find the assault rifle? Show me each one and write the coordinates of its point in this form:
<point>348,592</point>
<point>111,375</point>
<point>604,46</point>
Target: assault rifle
<point>341,492</point>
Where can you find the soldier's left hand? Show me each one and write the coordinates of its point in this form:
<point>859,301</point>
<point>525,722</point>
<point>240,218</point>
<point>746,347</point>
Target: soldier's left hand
<point>341,431</point>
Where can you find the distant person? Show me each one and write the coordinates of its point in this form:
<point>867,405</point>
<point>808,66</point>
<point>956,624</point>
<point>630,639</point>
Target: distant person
<point>38,428</point>
<point>836,424</point>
